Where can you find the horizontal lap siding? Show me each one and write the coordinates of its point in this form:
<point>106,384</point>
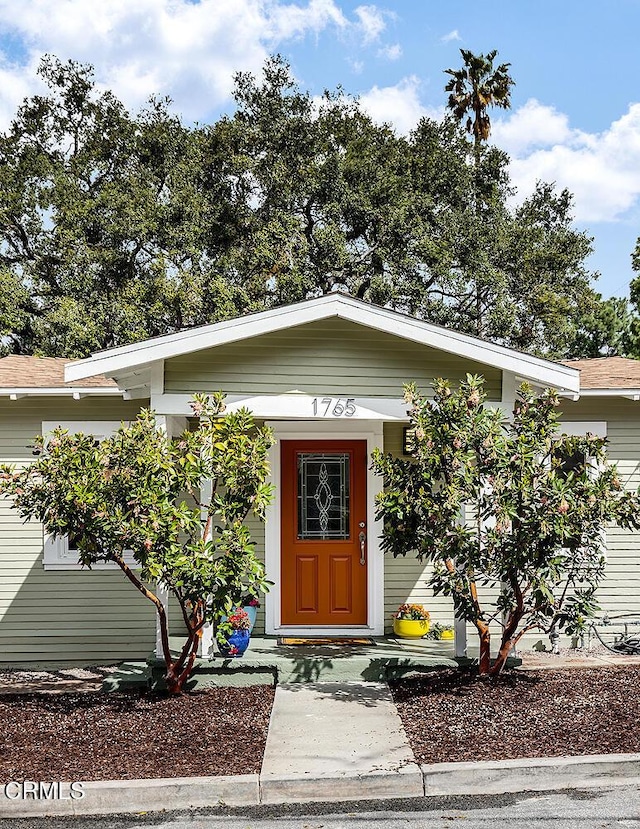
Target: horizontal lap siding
<point>256,528</point>
<point>619,592</point>
<point>333,357</point>
<point>406,578</point>
<point>61,617</point>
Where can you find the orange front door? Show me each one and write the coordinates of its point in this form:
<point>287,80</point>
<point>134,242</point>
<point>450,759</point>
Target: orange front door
<point>324,550</point>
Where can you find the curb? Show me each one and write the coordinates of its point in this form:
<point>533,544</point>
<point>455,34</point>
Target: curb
<point>407,781</point>
<point>436,780</point>
<point>540,774</point>
<point>108,797</point>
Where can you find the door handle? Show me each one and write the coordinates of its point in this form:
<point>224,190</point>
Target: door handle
<point>363,554</point>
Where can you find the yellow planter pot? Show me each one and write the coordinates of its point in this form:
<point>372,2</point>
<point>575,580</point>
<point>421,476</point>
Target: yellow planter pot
<point>410,628</point>
<point>446,634</point>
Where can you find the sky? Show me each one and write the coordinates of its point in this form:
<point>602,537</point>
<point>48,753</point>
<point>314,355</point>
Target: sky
<point>575,108</point>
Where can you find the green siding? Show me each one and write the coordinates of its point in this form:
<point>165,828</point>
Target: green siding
<point>61,617</point>
<point>620,590</point>
<point>405,578</point>
<point>333,357</point>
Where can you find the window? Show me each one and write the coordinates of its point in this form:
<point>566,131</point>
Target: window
<point>569,462</point>
<point>59,553</point>
<point>323,496</point>
<point>576,461</point>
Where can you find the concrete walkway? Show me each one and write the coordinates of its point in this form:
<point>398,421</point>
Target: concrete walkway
<point>337,740</point>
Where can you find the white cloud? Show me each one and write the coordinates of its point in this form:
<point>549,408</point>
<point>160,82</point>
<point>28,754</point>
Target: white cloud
<point>390,52</point>
<point>291,20</point>
<point>187,50</point>
<point>371,21</point>
<point>533,125</point>
<point>453,35</point>
<point>601,169</point>
<point>397,105</point>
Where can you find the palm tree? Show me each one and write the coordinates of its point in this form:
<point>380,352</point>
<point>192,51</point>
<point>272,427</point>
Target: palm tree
<point>472,90</point>
<point>476,87</point>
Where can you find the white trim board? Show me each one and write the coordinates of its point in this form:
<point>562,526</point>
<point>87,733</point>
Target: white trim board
<point>580,428</point>
<point>125,358</point>
<point>294,406</point>
<point>77,393</point>
<point>372,433</point>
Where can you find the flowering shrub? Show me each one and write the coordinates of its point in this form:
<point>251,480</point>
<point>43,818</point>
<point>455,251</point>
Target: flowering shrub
<point>250,601</point>
<point>127,493</point>
<point>416,612</point>
<point>487,501</point>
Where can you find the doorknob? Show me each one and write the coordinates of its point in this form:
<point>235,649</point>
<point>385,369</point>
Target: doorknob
<point>363,554</point>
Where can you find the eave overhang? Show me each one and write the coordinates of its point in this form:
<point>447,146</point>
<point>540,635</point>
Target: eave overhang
<point>125,359</point>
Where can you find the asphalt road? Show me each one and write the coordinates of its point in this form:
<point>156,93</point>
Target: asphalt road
<point>589,809</point>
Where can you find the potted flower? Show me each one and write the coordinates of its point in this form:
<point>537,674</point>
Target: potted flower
<point>447,632</point>
<point>233,634</point>
<point>438,631</point>
<point>411,621</point>
<point>250,605</point>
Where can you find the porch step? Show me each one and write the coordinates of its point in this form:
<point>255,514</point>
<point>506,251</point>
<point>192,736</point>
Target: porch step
<point>129,675</point>
<point>267,662</point>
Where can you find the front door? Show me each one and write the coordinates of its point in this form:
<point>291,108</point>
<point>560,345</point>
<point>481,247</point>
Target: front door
<point>324,549</point>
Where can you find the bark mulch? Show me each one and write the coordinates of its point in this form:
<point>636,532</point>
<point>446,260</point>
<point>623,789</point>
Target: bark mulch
<point>460,717</point>
<point>118,736</point>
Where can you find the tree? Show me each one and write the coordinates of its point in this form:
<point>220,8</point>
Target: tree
<point>101,222</point>
<point>550,298</point>
<point>605,328</point>
<point>535,506</point>
<point>117,227</point>
<point>141,492</point>
<point>476,87</point>
<point>627,322</point>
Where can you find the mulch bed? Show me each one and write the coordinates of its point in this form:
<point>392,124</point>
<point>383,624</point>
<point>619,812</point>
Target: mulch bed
<point>118,736</point>
<point>452,716</point>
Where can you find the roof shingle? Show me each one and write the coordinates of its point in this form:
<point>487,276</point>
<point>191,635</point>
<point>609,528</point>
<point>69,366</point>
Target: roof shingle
<point>607,372</point>
<point>20,372</point>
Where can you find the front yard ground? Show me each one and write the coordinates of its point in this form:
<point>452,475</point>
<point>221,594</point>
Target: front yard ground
<point>93,736</point>
<point>448,716</point>
<point>451,716</point>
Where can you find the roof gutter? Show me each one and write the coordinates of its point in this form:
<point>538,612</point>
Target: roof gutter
<point>75,393</point>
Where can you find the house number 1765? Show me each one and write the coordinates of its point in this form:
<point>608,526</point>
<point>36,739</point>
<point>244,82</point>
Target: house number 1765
<point>336,406</point>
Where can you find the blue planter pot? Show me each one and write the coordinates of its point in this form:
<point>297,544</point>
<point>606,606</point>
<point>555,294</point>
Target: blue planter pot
<point>235,644</point>
<point>252,613</point>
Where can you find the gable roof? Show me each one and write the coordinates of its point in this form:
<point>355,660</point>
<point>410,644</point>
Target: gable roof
<point>607,373</point>
<point>20,375</point>
<point>127,358</point>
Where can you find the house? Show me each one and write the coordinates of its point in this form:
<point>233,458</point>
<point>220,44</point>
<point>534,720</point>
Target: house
<point>326,374</point>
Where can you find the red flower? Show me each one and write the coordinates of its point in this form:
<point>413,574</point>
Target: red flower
<point>239,620</point>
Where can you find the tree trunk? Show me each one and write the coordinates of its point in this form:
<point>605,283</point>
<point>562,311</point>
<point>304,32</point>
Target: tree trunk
<point>508,634</point>
<point>501,659</point>
<point>484,664</point>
